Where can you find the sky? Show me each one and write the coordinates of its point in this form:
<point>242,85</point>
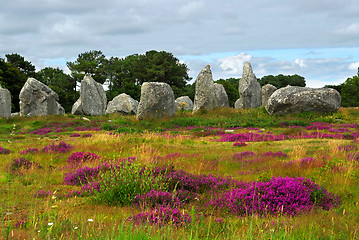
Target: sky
<point>317,39</point>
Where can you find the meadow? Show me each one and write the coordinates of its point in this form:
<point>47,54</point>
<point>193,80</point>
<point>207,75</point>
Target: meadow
<point>222,174</point>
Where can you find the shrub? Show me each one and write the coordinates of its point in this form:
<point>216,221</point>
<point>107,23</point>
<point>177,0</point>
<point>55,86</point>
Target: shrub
<point>20,163</point>
<point>120,185</point>
<point>62,147</point>
<point>278,196</point>
<point>29,151</point>
<point>80,157</point>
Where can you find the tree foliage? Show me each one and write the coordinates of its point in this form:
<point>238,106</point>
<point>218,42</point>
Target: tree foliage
<point>12,79</point>
<point>350,92</point>
<point>63,84</point>
<point>128,74</point>
<point>231,87</point>
<point>92,62</point>
<point>23,65</point>
<point>281,80</point>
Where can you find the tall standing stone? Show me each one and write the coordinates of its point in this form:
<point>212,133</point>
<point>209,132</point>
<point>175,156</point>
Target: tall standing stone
<point>5,103</point>
<point>221,95</point>
<point>37,99</point>
<point>157,101</point>
<point>267,91</point>
<point>249,89</point>
<point>92,99</point>
<point>205,97</point>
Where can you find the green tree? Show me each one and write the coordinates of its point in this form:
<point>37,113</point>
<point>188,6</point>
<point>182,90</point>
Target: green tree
<point>231,87</point>
<point>92,62</point>
<point>281,80</point>
<point>350,92</point>
<point>23,65</point>
<point>130,72</point>
<point>12,79</point>
<point>63,84</point>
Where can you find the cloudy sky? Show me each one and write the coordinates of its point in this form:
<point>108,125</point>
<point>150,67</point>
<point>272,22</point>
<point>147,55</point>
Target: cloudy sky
<point>317,39</point>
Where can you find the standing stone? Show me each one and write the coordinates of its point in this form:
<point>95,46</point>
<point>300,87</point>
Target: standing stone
<point>293,99</point>
<point>237,104</point>
<point>249,89</point>
<point>184,103</point>
<point>92,99</point>
<point>221,95</point>
<point>157,101</point>
<point>205,97</point>
<point>5,103</point>
<point>267,91</point>
<point>37,99</point>
<point>123,104</point>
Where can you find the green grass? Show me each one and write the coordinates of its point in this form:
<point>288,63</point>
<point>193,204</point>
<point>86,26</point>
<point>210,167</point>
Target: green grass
<point>26,217</point>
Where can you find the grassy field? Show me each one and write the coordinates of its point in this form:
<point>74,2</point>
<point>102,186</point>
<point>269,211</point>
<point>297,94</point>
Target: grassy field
<point>223,174</point>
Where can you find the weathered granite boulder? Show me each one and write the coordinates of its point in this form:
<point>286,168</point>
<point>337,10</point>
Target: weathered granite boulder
<point>221,95</point>
<point>205,97</point>
<point>5,103</point>
<point>267,91</point>
<point>123,104</point>
<point>237,104</point>
<point>249,89</point>
<point>37,99</point>
<point>92,99</point>
<point>296,99</point>
<point>184,103</point>
<point>157,101</point>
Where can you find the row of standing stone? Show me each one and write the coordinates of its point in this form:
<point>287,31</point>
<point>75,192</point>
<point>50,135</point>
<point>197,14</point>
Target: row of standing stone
<point>157,99</point>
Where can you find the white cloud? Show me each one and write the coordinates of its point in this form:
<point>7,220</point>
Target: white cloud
<point>351,29</point>
<point>300,62</point>
<point>354,66</point>
<point>234,64</point>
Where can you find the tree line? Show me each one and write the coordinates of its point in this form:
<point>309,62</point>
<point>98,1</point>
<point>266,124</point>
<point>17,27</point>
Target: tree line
<point>126,75</point>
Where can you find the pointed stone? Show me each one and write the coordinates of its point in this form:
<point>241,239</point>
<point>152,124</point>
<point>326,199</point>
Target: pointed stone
<point>205,97</point>
<point>249,89</point>
<point>221,95</point>
<point>92,99</point>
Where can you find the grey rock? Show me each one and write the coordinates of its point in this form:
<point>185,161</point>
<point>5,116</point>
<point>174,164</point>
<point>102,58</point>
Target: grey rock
<point>293,99</point>
<point>157,101</point>
<point>249,89</point>
<point>37,99</point>
<point>92,99</point>
<point>5,103</point>
<point>267,91</point>
<point>221,95</point>
<point>205,97</point>
<point>17,114</point>
<point>237,104</point>
<point>184,103</point>
<point>123,104</point>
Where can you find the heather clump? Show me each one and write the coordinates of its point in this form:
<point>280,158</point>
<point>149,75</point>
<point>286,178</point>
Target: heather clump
<point>243,155</point>
<point>162,215</point>
<point>29,151</point>
<point>62,147</point>
<point>4,150</point>
<point>239,144</point>
<point>82,175</point>
<point>19,164</point>
<point>78,158</point>
<point>182,180</point>
<point>279,195</point>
